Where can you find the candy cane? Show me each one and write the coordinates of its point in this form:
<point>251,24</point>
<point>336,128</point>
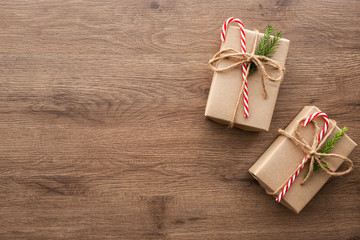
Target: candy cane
<point>302,164</point>
<point>243,50</point>
<point>326,125</point>
<point>291,180</point>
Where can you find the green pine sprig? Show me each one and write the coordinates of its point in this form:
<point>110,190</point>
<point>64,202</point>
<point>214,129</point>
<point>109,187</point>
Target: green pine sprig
<point>328,146</point>
<point>267,44</point>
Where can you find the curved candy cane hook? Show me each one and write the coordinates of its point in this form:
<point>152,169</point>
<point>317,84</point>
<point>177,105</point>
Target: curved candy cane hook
<point>326,124</point>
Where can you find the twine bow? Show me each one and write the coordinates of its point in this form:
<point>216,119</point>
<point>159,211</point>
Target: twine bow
<point>313,154</point>
<point>250,58</point>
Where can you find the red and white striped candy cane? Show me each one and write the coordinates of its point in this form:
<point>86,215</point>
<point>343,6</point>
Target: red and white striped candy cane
<point>326,125</point>
<point>243,50</point>
<point>302,164</point>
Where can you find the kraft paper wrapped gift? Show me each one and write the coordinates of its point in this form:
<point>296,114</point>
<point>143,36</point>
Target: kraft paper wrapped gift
<point>226,87</point>
<point>280,160</point>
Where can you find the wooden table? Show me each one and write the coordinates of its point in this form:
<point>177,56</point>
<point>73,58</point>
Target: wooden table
<point>102,126</point>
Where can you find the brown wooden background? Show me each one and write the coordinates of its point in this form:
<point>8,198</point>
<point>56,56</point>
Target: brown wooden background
<point>102,125</point>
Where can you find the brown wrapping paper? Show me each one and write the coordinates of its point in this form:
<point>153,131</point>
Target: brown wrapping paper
<point>226,86</point>
<point>279,161</point>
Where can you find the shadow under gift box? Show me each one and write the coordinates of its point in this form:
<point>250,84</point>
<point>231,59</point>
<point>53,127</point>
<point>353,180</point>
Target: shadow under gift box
<point>226,86</point>
<point>281,159</point>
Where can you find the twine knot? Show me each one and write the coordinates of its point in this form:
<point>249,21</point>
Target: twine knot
<point>312,152</point>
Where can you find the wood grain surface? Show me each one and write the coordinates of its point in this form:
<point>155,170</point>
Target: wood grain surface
<point>102,126</point>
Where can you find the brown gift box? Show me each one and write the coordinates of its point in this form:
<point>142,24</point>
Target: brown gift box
<point>279,161</point>
<point>226,87</point>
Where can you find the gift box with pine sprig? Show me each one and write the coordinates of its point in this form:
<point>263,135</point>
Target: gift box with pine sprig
<point>265,58</point>
<point>298,163</point>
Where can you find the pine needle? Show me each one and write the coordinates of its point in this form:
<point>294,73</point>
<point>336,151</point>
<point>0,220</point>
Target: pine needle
<point>267,44</point>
